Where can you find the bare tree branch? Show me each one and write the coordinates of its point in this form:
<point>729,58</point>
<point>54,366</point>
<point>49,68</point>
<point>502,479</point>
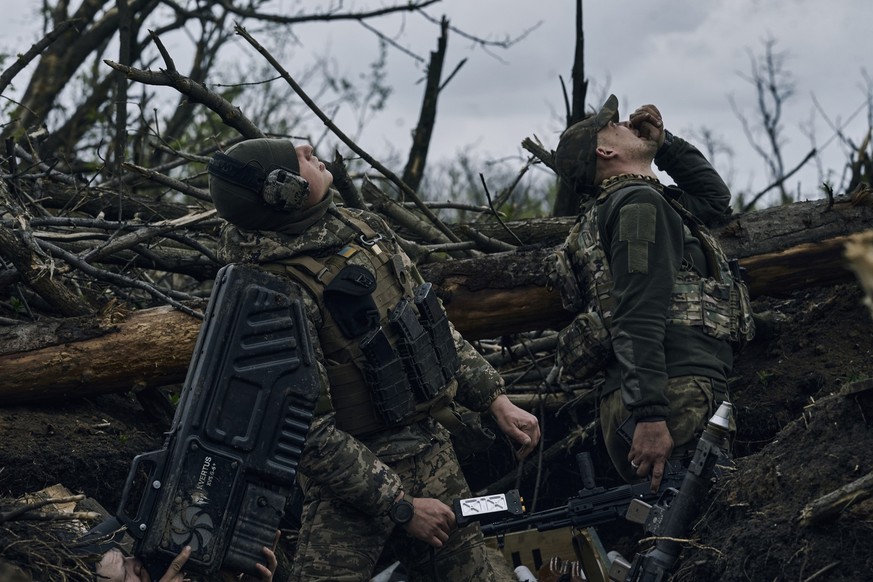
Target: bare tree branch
<point>494,210</point>
<point>31,54</point>
<point>343,182</point>
<point>144,234</point>
<point>38,275</point>
<point>773,87</point>
<point>407,191</point>
<point>535,147</point>
<point>780,181</point>
<point>566,198</point>
<point>177,185</point>
<point>196,93</point>
<point>382,203</point>
<point>506,42</point>
<point>110,277</point>
<point>323,16</point>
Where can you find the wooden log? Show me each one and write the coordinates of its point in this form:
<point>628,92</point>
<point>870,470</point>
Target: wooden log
<point>149,348</point>
<point>782,248</point>
<point>798,267</point>
<point>152,347</point>
<point>498,294</point>
<point>505,293</point>
<point>830,506</point>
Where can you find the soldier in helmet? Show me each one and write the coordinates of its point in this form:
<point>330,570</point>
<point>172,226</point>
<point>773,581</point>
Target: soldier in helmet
<point>658,305</point>
<point>378,468</point>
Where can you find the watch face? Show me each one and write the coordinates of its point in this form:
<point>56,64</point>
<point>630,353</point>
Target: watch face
<point>402,512</point>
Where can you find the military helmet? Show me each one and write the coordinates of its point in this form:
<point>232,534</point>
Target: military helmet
<point>575,160</point>
<point>256,184</point>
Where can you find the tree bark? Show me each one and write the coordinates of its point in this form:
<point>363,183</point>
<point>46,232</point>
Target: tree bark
<point>38,275</point>
<point>498,294</point>
<point>149,348</point>
<point>505,293</point>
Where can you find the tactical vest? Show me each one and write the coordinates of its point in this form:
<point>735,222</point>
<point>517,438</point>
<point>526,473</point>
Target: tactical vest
<point>388,349</point>
<point>718,304</point>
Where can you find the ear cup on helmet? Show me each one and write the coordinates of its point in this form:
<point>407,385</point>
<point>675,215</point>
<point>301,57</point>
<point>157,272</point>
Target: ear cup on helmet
<point>256,184</point>
<point>285,190</point>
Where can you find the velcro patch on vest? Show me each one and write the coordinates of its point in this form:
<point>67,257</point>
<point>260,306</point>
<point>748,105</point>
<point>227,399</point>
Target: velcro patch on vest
<point>636,226</point>
<point>347,251</point>
<point>349,300</point>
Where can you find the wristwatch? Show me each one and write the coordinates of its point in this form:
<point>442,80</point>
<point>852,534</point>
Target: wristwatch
<point>401,512</point>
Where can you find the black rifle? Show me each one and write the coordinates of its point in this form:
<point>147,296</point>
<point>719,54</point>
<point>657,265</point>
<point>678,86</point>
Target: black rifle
<point>592,506</point>
<point>229,462</point>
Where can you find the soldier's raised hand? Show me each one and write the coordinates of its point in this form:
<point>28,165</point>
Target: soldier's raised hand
<point>648,122</point>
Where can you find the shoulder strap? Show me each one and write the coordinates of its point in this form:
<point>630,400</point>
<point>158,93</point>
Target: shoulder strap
<point>304,270</point>
<point>362,226</point>
<point>368,236</point>
<point>717,261</point>
<point>315,268</point>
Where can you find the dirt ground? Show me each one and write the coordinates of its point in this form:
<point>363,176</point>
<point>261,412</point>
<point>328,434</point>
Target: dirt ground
<point>805,403</point>
<point>801,435</point>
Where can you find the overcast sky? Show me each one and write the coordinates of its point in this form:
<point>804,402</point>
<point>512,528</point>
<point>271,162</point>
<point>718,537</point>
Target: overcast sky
<point>688,57</point>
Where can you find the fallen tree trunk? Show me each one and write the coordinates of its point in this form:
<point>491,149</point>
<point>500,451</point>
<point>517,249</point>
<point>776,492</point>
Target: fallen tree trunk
<point>149,348</point>
<point>152,347</point>
<point>801,266</point>
<point>782,248</point>
<point>486,297</point>
<point>753,233</point>
<point>506,293</point>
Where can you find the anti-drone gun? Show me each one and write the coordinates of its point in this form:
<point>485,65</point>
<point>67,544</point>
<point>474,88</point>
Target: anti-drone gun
<point>229,461</point>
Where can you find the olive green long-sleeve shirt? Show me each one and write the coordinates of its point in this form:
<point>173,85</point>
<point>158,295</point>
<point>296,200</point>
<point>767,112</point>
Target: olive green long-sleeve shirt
<point>646,244</point>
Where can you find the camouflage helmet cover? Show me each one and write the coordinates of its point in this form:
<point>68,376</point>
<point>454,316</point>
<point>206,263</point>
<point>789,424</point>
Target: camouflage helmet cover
<point>575,160</point>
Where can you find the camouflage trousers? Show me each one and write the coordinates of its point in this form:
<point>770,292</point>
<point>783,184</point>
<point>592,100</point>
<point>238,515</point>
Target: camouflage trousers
<point>338,542</point>
<point>693,400</point>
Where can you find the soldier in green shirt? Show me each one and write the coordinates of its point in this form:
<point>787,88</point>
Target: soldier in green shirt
<point>658,305</point>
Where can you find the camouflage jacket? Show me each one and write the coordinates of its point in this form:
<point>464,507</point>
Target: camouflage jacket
<point>357,470</point>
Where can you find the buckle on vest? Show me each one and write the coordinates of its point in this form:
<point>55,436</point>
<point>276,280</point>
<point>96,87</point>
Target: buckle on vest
<point>371,241</point>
